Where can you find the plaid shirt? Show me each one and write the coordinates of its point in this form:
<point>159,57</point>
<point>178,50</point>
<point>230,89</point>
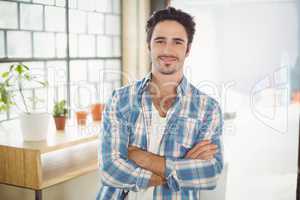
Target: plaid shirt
<point>193,117</point>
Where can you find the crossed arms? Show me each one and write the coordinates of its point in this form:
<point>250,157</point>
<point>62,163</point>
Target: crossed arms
<point>204,150</point>
<point>131,168</point>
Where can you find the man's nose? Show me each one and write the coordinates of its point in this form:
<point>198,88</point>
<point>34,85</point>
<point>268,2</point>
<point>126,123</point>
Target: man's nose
<point>168,49</point>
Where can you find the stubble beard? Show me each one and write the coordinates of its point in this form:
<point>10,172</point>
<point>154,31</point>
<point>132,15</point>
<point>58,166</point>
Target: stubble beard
<point>166,70</point>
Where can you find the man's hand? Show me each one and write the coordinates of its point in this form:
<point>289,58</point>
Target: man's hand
<point>156,180</point>
<point>204,150</point>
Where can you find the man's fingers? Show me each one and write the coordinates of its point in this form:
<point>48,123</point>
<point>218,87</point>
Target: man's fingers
<point>200,155</point>
<point>199,149</point>
<point>207,147</point>
<point>132,148</point>
<point>207,154</point>
<point>190,155</point>
<point>207,158</point>
<point>199,145</point>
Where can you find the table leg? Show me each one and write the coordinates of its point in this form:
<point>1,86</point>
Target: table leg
<point>298,174</point>
<point>38,195</point>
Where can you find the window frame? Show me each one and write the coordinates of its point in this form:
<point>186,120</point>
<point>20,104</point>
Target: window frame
<point>68,59</point>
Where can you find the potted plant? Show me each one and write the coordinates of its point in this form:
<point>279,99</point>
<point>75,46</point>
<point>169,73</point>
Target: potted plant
<point>96,110</point>
<point>34,125</point>
<point>81,117</point>
<point>60,114</point>
<point>97,107</point>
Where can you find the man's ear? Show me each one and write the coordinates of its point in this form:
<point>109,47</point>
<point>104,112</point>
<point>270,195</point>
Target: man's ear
<point>149,48</point>
<point>188,50</point>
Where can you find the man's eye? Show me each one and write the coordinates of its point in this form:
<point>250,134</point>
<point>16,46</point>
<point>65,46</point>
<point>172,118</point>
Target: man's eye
<point>178,42</point>
<point>159,41</point>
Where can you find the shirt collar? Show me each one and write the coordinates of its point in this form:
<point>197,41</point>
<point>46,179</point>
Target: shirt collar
<point>182,88</point>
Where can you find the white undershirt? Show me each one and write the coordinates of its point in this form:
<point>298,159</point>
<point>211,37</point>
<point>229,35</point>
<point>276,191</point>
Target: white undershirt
<point>158,125</point>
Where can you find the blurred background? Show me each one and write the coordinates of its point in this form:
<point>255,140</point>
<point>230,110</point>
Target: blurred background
<point>245,54</point>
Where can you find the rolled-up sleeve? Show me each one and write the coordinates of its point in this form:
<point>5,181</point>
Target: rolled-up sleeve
<point>116,170</point>
<point>196,173</point>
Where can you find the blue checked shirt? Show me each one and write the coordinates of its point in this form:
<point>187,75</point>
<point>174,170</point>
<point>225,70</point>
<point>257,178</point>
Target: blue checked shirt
<point>193,117</point>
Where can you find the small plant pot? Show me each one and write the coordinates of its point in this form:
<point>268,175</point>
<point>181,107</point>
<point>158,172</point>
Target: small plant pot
<point>35,126</point>
<point>296,97</point>
<point>81,117</point>
<point>60,123</point>
<point>96,110</point>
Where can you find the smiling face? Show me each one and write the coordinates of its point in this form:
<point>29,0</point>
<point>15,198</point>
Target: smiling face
<point>168,47</point>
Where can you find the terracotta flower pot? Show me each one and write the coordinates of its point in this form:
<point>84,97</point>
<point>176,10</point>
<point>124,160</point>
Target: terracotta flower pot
<point>96,110</point>
<point>296,97</point>
<point>81,117</point>
<point>60,123</point>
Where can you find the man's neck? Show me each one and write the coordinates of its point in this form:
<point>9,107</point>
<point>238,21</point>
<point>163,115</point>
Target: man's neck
<point>165,85</point>
<point>163,89</point>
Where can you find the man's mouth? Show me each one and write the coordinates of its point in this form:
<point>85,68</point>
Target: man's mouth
<point>167,59</point>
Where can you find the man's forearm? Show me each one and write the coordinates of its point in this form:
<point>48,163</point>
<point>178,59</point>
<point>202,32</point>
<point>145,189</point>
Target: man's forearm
<point>204,150</point>
<point>149,161</point>
<point>155,164</point>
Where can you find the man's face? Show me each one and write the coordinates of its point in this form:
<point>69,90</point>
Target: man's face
<point>168,47</point>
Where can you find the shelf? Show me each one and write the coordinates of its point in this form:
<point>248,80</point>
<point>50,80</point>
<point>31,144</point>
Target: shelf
<point>37,165</point>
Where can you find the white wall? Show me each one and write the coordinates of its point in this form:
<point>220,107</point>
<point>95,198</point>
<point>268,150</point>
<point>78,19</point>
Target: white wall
<point>241,41</point>
<point>250,46</point>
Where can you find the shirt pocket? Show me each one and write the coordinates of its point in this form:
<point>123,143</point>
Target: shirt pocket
<point>183,134</point>
<point>187,131</point>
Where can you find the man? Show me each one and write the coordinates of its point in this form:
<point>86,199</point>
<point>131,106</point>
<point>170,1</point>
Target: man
<point>161,136</point>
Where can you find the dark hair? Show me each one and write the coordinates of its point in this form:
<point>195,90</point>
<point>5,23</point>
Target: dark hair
<point>171,13</point>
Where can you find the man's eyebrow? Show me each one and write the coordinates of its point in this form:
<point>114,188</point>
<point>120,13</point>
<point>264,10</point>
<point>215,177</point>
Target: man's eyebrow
<point>159,38</point>
<point>179,39</point>
<point>164,38</point>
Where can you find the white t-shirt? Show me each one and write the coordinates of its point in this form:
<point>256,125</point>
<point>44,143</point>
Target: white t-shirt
<point>158,125</point>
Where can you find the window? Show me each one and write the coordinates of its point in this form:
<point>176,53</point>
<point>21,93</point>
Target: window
<point>74,45</point>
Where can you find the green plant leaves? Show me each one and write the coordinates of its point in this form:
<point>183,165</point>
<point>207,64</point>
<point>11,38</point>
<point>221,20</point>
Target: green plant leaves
<point>17,76</point>
<point>5,98</point>
<point>5,74</point>
<point>60,109</point>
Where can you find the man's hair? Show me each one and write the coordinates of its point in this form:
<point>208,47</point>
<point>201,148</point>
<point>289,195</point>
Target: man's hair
<point>174,14</point>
